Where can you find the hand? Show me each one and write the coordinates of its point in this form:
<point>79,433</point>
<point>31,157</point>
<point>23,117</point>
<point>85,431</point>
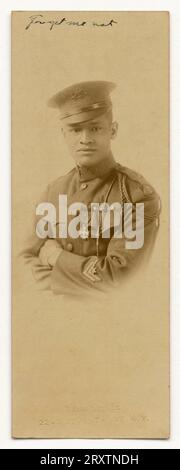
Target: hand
<point>49,253</point>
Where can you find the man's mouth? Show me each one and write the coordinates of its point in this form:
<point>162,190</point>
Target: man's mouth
<point>88,150</point>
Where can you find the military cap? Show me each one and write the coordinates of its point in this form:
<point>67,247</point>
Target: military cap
<point>83,101</point>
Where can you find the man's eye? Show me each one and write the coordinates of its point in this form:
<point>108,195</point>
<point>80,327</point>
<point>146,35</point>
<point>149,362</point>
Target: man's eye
<point>74,130</point>
<point>95,128</point>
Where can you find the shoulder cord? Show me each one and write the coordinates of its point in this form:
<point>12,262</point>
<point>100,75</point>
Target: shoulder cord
<point>122,186</point>
<point>105,200</point>
<point>123,197</point>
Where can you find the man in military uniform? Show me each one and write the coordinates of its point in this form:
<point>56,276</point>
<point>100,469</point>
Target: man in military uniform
<point>70,265</point>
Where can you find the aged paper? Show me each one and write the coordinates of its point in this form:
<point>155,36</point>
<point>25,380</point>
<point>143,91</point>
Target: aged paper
<point>90,134</point>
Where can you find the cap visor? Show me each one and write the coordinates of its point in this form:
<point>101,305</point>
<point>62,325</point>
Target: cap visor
<point>84,116</point>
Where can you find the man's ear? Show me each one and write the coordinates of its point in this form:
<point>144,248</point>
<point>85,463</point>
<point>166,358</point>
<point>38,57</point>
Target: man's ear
<point>114,129</point>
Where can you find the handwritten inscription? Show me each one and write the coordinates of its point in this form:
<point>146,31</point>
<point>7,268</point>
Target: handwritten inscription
<point>40,20</point>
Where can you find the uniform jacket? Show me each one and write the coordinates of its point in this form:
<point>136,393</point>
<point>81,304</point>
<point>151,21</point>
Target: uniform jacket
<point>108,257</point>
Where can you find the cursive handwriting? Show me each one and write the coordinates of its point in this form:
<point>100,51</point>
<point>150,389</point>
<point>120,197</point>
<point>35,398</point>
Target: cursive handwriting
<point>111,22</point>
<point>39,19</point>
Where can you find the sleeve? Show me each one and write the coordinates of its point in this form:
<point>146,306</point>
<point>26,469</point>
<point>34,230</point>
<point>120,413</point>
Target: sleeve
<point>29,255</point>
<point>72,272</point>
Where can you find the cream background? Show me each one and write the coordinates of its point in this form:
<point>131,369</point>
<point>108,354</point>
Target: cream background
<point>129,377</point>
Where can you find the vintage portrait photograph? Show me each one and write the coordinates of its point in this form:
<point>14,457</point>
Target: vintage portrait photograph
<point>90,220</point>
<point>113,202</point>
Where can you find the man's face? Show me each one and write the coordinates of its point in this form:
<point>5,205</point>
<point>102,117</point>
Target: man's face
<point>89,142</point>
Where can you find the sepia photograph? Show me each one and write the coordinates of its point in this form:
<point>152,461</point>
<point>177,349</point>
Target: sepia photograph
<point>88,215</point>
<point>90,210</point>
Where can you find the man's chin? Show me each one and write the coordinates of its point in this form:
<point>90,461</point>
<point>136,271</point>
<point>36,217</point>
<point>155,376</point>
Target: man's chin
<point>88,161</point>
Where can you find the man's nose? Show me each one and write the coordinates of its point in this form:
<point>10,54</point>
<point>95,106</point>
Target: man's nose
<point>86,137</point>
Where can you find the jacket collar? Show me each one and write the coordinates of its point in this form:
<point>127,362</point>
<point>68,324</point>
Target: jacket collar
<point>101,170</point>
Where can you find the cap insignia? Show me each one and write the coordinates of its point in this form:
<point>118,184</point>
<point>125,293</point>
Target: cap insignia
<point>78,93</point>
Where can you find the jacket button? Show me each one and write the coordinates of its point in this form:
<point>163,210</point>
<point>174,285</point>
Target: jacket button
<point>83,186</point>
<point>69,247</point>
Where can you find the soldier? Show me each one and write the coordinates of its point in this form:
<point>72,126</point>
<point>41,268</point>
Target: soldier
<point>71,265</point>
